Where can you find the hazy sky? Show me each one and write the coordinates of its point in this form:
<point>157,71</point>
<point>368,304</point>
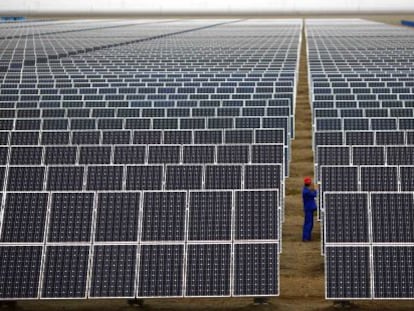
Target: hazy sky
<point>205,6</point>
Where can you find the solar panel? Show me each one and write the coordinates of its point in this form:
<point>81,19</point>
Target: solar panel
<point>328,138</point>
<point>163,154</point>
<point>24,217</point>
<point>94,155</point>
<point>129,154</point>
<point>389,138</point>
<point>104,178</point>
<point>65,178</point>
<point>184,177</point>
<point>347,271</point>
<point>238,136</point>
<point>233,154</point>
<point>339,178</point>
<point>24,138</point>
<point>25,178</point>
<point>269,136</point>
<point>272,153</point>
<point>393,272</point>
<point>147,137</point>
<point>116,137</point>
<point>20,271</point>
<point>55,138</point>
<point>392,217</point>
<point>210,215</point>
<point>65,272</point>
<point>256,215</point>
<point>163,216</point>
<point>333,155</point>
<point>86,137</point>
<point>202,280</point>
<point>400,155</point>
<point>260,176</point>
<point>223,177</point>
<point>144,177</point>
<point>379,178</point>
<point>256,270</point>
<point>24,156</point>
<point>370,155</point>
<point>161,271</point>
<point>346,217</point>
<point>178,137</point>
<point>208,137</point>
<point>407,178</point>
<point>113,271</point>
<point>199,154</point>
<point>359,138</point>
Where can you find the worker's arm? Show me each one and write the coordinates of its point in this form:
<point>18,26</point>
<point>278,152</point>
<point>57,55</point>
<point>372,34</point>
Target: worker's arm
<point>311,193</point>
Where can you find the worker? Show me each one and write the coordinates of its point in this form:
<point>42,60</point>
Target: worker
<point>309,206</point>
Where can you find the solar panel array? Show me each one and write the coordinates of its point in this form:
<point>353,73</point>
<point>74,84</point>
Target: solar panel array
<point>144,159</point>
<point>362,84</point>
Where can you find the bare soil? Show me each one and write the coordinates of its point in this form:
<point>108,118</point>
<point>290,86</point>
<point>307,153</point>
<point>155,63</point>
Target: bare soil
<point>302,266</point>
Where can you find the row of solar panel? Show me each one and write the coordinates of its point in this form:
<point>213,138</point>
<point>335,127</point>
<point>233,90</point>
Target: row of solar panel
<point>168,123</point>
<point>61,113</point>
<point>96,137</point>
<point>363,138</point>
<point>111,271</point>
<point>357,90</point>
<point>364,272</point>
<point>366,178</point>
<point>91,76</point>
<point>391,75</point>
<point>337,97</point>
<point>365,155</point>
<point>331,85</point>
<point>154,96</point>
<point>348,76</point>
<point>145,217</point>
<point>163,86</point>
<point>148,104</point>
<point>353,113</point>
<point>354,67</point>
<point>363,124</point>
<point>363,104</point>
<point>358,217</point>
<point>126,83</point>
<point>31,62</point>
<point>141,177</point>
<point>152,154</point>
<point>150,90</point>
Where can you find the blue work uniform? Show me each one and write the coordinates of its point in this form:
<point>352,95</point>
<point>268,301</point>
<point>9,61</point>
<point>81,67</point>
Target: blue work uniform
<point>309,207</point>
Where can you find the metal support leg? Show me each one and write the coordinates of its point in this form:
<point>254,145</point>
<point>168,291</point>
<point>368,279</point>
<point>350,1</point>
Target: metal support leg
<point>136,302</point>
<point>342,304</point>
<point>260,301</point>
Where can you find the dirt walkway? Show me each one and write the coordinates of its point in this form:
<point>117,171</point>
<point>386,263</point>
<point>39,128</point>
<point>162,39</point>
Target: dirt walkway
<point>301,263</point>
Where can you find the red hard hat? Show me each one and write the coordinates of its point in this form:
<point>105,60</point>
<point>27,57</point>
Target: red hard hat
<point>307,180</point>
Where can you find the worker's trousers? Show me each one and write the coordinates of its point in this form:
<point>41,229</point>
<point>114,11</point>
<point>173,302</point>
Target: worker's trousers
<point>308,226</point>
